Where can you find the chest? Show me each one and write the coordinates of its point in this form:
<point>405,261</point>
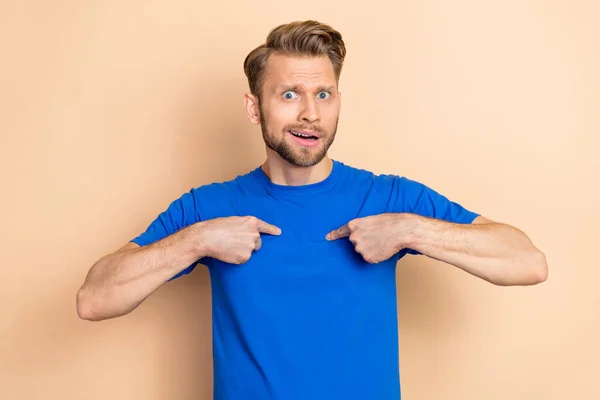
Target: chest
<point>297,270</point>
<point>301,261</point>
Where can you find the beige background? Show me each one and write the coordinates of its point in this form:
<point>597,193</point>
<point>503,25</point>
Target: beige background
<point>111,109</point>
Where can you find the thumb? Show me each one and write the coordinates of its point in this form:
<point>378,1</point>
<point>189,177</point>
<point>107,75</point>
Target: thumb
<point>339,233</point>
<point>267,228</point>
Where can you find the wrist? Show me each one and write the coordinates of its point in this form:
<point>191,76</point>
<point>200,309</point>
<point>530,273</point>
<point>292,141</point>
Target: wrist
<point>194,238</point>
<point>407,230</point>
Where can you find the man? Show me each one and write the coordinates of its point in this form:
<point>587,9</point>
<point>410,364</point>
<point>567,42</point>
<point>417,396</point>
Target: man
<point>302,250</point>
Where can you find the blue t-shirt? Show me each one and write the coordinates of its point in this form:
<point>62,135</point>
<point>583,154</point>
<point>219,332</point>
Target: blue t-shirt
<point>305,318</point>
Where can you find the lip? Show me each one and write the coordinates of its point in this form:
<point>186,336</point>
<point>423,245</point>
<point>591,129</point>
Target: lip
<point>306,142</point>
<point>307,132</point>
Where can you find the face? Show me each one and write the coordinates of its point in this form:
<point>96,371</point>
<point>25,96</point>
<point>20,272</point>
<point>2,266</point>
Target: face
<point>299,108</point>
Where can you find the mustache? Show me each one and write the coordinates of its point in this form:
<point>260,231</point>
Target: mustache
<point>296,127</point>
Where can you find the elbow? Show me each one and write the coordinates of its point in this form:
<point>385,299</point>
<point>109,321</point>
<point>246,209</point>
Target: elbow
<point>539,268</point>
<point>86,305</point>
<point>85,309</point>
<point>92,306</point>
<point>531,271</point>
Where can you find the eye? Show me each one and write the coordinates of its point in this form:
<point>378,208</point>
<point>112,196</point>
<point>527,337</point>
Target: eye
<point>290,95</point>
<point>323,95</point>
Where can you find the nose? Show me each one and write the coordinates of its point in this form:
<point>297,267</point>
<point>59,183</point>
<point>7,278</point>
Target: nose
<point>309,112</point>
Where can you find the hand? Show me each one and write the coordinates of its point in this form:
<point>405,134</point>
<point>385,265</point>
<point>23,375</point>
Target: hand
<point>377,237</point>
<point>233,239</point>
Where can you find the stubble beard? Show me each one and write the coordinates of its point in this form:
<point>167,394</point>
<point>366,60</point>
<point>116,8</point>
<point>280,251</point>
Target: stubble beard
<point>303,157</point>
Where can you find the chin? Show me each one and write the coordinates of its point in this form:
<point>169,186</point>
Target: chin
<point>305,162</point>
<point>302,157</point>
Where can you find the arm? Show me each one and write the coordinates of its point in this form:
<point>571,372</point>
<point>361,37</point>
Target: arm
<point>117,283</point>
<point>496,252</point>
<point>422,221</point>
<point>445,230</point>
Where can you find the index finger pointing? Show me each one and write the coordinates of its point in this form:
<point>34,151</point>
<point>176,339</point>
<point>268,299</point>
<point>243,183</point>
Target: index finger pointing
<point>339,233</point>
<point>267,228</point>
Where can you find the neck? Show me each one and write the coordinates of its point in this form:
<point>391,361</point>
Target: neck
<point>281,172</point>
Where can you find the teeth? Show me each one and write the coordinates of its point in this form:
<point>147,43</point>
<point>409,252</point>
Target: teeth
<point>301,134</point>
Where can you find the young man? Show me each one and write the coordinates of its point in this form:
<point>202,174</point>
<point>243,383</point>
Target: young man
<point>302,250</point>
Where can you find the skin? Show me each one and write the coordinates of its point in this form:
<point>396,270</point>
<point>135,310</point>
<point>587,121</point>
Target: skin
<point>301,93</point>
<point>495,252</point>
<point>298,93</point>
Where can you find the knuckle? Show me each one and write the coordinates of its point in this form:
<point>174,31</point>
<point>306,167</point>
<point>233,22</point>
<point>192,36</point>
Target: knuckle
<point>248,220</point>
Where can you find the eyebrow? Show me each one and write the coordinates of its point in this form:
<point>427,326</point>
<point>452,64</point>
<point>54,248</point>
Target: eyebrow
<point>322,88</point>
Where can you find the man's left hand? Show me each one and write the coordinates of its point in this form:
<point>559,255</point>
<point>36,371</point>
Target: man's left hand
<point>376,237</point>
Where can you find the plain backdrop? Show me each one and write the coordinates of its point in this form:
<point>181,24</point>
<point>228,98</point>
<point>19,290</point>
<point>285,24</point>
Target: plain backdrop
<point>112,109</point>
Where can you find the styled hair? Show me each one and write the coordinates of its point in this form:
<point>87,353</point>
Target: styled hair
<point>301,38</point>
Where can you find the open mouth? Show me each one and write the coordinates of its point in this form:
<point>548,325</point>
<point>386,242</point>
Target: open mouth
<point>303,135</point>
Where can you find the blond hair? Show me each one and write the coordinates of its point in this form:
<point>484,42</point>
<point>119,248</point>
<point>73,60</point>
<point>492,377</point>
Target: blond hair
<point>302,38</point>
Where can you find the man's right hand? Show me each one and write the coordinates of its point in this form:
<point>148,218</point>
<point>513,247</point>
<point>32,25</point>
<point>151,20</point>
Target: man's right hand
<point>233,239</point>
<point>118,282</point>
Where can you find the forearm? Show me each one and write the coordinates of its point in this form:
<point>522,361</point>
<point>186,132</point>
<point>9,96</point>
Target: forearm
<point>119,282</point>
<point>498,253</point>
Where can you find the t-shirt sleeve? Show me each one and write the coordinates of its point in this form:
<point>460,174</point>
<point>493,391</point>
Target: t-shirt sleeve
<point>417,198</point>
<point>181,213</point>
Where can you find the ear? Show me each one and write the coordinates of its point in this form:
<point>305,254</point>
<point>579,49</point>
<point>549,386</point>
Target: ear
<point>252,108</point>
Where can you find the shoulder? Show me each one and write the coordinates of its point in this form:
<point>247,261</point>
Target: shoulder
<point>393,187</point>
<point>219,191</point>
<point>356,174</point>
<point>379,179</point>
